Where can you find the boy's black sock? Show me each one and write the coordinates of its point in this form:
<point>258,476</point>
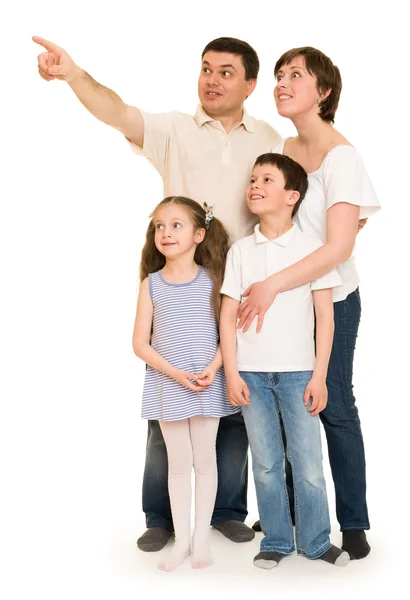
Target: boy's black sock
<point>335,556</point>
<point>267,560</point>
<point>355,543</point>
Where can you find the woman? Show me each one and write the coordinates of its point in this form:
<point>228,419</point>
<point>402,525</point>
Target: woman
<point>339,195</point>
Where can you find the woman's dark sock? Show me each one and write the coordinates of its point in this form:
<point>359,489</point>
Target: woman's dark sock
<point>355,543</point>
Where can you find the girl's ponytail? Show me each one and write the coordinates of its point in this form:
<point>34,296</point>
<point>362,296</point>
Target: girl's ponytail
<point>211,254</point>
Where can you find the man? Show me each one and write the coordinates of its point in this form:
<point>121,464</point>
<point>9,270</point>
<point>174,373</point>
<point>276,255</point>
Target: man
<point>208,157</point>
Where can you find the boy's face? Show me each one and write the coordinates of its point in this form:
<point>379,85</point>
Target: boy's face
<point>266,194</point>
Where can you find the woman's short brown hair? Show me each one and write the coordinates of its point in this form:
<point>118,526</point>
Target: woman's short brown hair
<point>327,75</point>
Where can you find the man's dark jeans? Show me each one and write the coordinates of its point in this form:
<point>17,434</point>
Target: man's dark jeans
<point>232,457</point>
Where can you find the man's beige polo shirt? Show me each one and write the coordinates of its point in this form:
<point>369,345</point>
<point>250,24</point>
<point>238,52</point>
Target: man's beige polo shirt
<point>197,158</point>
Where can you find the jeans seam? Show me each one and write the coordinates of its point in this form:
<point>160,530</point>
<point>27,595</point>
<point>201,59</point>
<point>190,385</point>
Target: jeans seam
<point>344,336</point>
<point>358,527</point>
<point>347,383</point>
<point>280,549</point>
<point>285,452</point>
<point>318,552</point>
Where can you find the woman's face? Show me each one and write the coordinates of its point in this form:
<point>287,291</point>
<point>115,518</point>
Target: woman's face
<point>296,90</point>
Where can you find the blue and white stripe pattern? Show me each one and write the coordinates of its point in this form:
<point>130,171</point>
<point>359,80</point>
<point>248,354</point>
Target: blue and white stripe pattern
<point>185,334</point>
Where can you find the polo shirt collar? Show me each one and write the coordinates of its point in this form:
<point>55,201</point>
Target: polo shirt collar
<point>202,117</point>
<point>282,240</point>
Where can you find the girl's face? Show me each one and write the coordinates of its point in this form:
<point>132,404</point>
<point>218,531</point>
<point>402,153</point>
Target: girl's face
<point>175,234</point>
<point>296,90</point>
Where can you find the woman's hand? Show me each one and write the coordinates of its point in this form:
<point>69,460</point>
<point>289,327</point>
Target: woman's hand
<point>362,223</point>
<point>259,297</point>
<point>316,391</point>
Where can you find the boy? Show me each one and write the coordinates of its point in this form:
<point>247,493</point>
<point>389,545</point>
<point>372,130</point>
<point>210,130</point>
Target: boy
<point>274,375</point>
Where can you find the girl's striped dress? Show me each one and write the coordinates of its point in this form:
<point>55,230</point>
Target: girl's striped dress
<point>185,334</point>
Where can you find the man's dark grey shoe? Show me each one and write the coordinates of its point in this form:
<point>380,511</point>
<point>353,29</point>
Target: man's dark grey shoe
<point>257,526</point>
<point>154,539</point>
<point>236,531</point>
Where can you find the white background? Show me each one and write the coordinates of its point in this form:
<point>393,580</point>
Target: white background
<point>75,206</point>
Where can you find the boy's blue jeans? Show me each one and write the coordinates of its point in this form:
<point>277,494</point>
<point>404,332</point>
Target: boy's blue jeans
<point>275,396</point>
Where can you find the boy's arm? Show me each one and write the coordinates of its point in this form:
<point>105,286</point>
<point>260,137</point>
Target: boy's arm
<point>342,223</point>
<point>141,342</point>
<point>99,100</point>
<point>236,389</point>
<point>323,302</point>
<point>227,327</point>
<point>316,389</point>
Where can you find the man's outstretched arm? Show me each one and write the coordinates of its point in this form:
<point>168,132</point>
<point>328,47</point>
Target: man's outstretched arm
<point>99,100</point>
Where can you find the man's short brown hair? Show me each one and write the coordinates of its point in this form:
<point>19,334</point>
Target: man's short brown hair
<point>240,48</point>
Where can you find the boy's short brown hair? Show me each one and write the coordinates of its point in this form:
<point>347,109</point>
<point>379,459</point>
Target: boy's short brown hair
<point>293,173</point>
<point>327,75</point>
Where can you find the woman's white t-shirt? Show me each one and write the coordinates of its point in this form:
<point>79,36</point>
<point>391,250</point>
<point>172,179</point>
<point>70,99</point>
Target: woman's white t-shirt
<point>341,177</point>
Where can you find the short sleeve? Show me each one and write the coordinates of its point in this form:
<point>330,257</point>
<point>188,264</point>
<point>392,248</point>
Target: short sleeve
<point>330,280</point>
<point>232,285</point>
<point>278,148</point>
<point>157,132</point>
<point>345,179</point>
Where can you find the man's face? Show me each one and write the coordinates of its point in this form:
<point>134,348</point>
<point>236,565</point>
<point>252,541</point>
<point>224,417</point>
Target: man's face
<point>222,87</point>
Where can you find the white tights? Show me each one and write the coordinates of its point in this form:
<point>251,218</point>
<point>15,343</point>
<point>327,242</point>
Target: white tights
<point>191,443</point>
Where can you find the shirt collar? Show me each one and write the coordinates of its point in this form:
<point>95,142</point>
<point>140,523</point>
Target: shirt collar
<point>202,117</point>
<point>282,240</point>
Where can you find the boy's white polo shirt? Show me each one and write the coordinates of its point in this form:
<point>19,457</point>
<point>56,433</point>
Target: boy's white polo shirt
<point>286,340</point>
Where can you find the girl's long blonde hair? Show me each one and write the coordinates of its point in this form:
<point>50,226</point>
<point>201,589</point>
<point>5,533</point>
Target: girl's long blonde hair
<point>210,253</point>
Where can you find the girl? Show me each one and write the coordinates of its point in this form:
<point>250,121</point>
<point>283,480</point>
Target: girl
<point>176,334</point>
<point>339,195</point>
